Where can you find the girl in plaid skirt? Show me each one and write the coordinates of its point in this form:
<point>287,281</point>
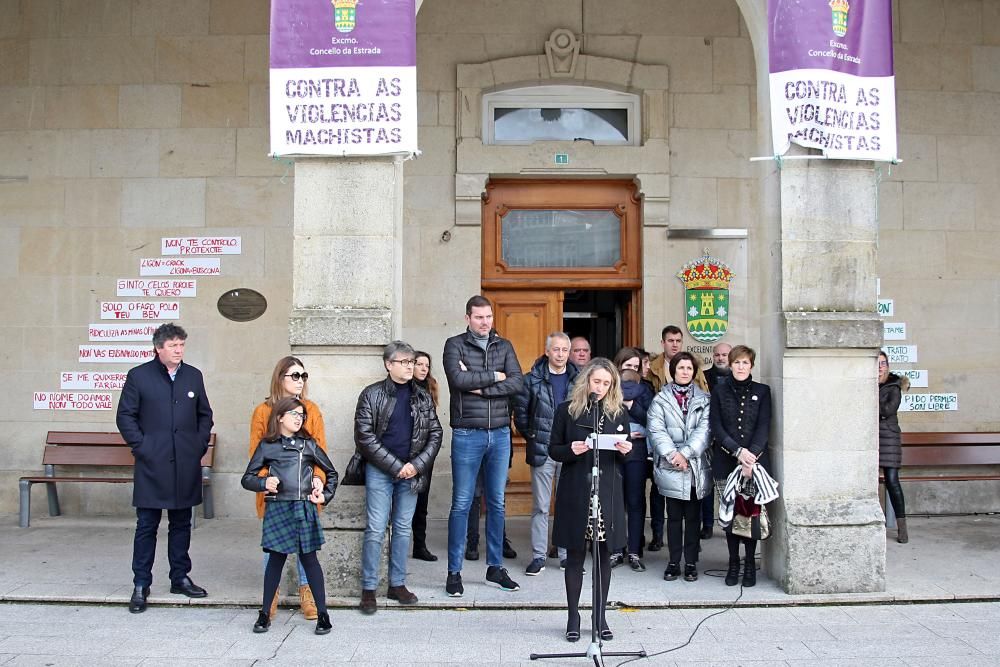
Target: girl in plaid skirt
<point>291,523</point>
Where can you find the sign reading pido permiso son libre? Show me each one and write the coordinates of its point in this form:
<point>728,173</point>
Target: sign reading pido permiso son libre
<point>343,77</point>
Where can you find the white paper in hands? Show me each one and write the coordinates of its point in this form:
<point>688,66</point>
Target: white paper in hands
<point>605,441</point>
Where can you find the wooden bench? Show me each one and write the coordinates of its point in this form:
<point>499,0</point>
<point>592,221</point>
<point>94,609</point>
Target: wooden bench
<point>947,451</point>
<point>69,449</point>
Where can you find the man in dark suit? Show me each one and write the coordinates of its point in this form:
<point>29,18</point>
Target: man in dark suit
<point>165,417</point>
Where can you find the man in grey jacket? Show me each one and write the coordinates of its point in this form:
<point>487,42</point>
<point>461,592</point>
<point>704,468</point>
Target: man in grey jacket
<point>483,377</point>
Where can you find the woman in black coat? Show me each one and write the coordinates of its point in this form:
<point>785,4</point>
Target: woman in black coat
<point>890,450</point>
<point>740,417</point>
<point>573,423</point>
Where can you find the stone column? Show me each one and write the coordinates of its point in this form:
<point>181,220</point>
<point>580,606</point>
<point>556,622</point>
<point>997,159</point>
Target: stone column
<point>347,267</point>
<point>829,528</point>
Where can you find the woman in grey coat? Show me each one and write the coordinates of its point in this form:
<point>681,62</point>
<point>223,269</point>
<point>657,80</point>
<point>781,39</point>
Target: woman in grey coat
<point>890,451</point>
<point>678,432</point>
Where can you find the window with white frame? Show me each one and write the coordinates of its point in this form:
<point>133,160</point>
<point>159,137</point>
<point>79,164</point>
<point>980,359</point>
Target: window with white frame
<point>561,113</point>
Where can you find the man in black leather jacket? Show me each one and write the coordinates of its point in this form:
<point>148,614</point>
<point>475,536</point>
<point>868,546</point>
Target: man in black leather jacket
<point>397,431</point>
<point>545,386</point>
<point>483,377</point>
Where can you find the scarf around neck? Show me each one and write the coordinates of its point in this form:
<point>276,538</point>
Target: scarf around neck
<point>682,394</point>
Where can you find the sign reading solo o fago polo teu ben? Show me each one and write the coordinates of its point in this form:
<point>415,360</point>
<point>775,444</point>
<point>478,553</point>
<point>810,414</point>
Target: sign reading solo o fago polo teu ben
<point>343,77</point>
<point>832,84</point>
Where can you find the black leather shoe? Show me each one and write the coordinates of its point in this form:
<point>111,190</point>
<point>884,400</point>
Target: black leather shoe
<point>263,623</point>
<point>137,603</point>
<point>656,544</point>
<point>573,628</point>
<point>690,572</point>
<point>187,587</point>
<point>672,572</point>
<point>749,573</point>
<point>421,553</point>
<point>707,532</point>
<point>472,553</point>
<point>733,573</point>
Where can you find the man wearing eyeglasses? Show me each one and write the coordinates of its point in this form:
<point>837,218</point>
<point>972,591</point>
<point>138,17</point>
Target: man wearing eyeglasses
<point>484,376</point>
<point>397,431</point>
<point>165,417</point>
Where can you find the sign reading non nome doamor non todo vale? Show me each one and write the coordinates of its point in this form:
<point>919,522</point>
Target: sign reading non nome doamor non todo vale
<point>72,400</point>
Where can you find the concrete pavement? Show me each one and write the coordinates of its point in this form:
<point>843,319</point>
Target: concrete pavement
<point>931,635</point>
<point>87,559</point>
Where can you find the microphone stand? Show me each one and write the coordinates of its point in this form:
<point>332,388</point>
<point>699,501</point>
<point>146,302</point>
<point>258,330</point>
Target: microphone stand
<point>594,651</point>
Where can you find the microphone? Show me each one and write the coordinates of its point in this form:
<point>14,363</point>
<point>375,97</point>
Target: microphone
<point>593,397</point>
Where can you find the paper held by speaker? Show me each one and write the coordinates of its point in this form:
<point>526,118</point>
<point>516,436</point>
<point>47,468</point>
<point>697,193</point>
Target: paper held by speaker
<point>605,440</point>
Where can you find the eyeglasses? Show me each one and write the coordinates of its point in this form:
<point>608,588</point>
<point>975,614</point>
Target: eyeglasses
<point>295,414</point>
<point>406,363</point>
<point>883,364</point>
<point>296,376</point>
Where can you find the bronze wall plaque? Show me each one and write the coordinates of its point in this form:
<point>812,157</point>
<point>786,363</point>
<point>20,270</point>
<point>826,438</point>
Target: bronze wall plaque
<point>242,304</point>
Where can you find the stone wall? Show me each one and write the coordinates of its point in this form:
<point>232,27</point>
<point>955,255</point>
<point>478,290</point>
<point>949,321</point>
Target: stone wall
<point>121,123</point>
<point>125,121</point>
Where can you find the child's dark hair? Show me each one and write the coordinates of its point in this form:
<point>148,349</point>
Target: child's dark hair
<point>280,407</point>
<point>629,375</point>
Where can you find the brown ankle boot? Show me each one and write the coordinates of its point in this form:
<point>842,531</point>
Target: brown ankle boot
<point>307,604</point>
<point>901,535</point>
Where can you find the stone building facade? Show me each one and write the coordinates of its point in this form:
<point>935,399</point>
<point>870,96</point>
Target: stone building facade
<point>125,121</point>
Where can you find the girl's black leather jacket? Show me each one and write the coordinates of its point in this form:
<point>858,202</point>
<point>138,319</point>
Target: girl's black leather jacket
<point>291,460</point>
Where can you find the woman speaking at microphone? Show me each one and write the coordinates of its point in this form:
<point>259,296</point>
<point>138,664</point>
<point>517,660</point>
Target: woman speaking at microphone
<point>596,395</point>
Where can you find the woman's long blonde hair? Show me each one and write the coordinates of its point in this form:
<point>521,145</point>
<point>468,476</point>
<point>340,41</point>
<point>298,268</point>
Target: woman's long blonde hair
<point>579,395</point>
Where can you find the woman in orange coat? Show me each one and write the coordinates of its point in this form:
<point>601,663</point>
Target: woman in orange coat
<point>289,380</point>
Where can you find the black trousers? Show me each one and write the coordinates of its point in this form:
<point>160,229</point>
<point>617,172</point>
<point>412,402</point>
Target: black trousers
<point>144,546</point>
<point>635,504</point>
<point>684,528</point>
<point>656,506</point>
<point>420,514</point>
<point>894,490</point>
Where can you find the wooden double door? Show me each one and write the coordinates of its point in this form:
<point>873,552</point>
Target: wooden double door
<point>549,243</point>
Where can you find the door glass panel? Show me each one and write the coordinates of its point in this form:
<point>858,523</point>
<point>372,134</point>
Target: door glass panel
<point>560,238</point>
<point>565,124</point>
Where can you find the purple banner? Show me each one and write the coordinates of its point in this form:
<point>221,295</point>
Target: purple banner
<point>849,36</point>
<point>343,33</point>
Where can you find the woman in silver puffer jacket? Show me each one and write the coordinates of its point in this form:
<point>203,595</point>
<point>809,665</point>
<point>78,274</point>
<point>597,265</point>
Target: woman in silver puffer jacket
<point>678,432</point>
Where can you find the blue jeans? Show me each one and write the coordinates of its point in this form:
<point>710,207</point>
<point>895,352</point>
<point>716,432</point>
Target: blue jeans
<point>386,498</point>
<point>470,450</point>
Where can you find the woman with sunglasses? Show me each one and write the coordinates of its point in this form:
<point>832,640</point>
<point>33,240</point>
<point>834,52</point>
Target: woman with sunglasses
<point>289,381</point>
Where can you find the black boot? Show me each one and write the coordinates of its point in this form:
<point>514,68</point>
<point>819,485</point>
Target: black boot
<point>733,572</point>
<point>323,624</point>
<point>263,623</point>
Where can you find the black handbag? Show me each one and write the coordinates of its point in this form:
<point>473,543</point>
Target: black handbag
<point>354,474</point>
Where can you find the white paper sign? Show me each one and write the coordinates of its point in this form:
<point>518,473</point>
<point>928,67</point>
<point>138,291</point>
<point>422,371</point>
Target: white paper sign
<point>159,287</point>
<point>72,400</point>
<point>140,310</point>
<point>901,354</point>
<point>894,331</point>
<point>122,332</point>
<point>201,245</point>
<point>180,266</point>
<point>917,378</point>
<point>929,403</point>
<point>885,307</point>
<point>91,380</point>
<point>115,354</point>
